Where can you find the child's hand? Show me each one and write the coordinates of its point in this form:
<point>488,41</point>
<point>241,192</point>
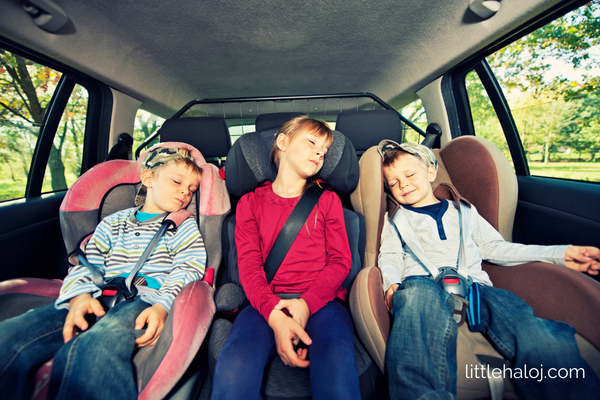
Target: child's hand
<point>297,308</point>
<point>79,307</point>
<point>286,331</point>
<point>389,295</point>
<point>155,318</point>
<point>583,258</point>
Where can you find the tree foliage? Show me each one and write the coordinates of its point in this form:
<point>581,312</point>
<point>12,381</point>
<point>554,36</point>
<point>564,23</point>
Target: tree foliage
<point>550,78</point>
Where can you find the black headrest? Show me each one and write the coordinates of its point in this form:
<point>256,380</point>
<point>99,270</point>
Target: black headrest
<point>273,121</point>
<point>249,164</point>
<point>208,134</point>
<point>368,128</point>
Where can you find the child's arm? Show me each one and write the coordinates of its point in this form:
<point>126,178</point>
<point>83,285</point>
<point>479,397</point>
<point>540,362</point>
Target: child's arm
<point>79,307</point>
<point>584,259</point>
<point>326,284</point>
<point>287,334</point>
<point>391,257</point>
<point>154,317</point>
<point>250,259</point>
<point>79,279</point>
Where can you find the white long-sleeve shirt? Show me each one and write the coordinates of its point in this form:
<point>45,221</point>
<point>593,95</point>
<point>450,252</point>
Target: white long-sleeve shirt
<point>440,238</point>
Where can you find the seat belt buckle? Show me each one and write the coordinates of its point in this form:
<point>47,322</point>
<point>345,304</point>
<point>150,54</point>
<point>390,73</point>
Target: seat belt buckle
<point>116,291</point>
<point>452,282</point>
<point>455,284</point>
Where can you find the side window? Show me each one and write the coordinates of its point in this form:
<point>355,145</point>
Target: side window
<point>485,120</point>
<point>26,89</point>
<point>549,79</point>
<point>414,112</point>
<point>64,163</point>
<point>145,124</point>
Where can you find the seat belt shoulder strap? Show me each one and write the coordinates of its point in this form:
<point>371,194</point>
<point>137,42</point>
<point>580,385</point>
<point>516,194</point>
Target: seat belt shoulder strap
<point>290,230</point>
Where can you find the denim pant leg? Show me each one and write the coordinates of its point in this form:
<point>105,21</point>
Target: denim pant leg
<point>97,363</point>
<point>248,349</point>
<point>421,348</point>
<point>333,371</point>
<point>26,342</point>
<point>534,346</point>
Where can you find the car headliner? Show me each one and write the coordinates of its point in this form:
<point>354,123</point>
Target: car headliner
<point>166,53</point>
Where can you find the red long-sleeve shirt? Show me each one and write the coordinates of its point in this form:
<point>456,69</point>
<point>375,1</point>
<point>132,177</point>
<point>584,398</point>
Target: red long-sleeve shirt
<point>316,264</point>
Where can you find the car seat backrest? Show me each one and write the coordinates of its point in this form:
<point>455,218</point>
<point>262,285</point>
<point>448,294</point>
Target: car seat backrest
<point>368,128</point>
<point>209,135</point>
<point>478,170</point>
<point>482,174</point>
<point>112,186</point>
<point>266,122</point>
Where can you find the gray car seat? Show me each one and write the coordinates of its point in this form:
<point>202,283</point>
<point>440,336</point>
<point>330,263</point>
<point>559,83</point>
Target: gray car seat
<point>248,165</point>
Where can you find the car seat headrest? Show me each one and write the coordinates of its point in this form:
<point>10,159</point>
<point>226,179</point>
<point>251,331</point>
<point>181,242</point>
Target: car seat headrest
<point>111,186</point>
<point>368,128</point>
<point>273,121</point>
<point>209,135</point>
<point>249,164</point>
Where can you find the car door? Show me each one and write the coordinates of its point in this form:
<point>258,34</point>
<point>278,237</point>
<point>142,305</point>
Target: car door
<point>51,124</point>
<point>545,122</point>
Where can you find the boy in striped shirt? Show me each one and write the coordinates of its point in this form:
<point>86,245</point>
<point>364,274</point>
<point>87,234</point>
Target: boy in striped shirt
<point>169,179</point>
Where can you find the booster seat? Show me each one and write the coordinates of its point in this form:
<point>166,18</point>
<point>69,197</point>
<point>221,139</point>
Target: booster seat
<point>248,165</point>
<point>480,173</point>
<point>109,187</point>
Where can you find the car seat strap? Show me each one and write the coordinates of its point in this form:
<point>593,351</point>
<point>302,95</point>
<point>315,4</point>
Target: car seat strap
<point>290,230</point>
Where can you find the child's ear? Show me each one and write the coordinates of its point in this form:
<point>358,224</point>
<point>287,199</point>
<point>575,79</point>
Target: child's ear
<point>147,178</point>
<point>282,141</point>
<point>432,173</point>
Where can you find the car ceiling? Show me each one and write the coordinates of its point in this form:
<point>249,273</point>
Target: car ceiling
<point>166,53</point>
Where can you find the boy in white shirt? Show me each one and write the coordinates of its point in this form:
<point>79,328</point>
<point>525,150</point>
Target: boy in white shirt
<point>421,349</point>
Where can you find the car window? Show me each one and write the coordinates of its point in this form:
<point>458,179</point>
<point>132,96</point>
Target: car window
<point>64,163</point>
<point>415,112</point>
<point>25,91</point>
<point>549,79</point>
<point>145,124</point>
<point>485,120</point>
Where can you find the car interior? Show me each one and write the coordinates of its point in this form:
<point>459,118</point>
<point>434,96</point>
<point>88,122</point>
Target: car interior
<point>88,87</point>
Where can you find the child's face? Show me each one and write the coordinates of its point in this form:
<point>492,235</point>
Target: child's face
<point>410,181</point>
<point>304,154</point>
<point>171,190</point>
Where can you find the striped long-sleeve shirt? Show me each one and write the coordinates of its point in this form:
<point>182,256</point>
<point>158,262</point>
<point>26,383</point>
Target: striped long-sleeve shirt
<point>116,246</point>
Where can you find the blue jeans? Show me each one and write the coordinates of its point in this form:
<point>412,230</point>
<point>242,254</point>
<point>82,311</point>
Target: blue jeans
<point>421,349</point>
<point>250,347</point>
<point>95,364</point>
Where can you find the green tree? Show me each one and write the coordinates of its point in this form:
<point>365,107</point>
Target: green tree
<point>25,91</point>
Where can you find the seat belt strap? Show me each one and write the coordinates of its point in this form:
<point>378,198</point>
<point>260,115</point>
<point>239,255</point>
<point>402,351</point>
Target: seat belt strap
<point>290,230</point>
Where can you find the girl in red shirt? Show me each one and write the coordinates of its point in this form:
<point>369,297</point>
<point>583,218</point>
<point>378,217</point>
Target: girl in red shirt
<point>311,329</point>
